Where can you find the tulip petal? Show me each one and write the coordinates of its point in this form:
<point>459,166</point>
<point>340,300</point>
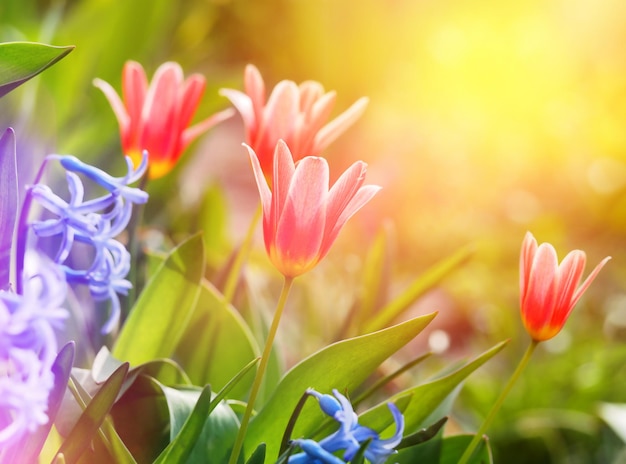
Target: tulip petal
<point>334,128</point>
<point>192,94</point>
<point>300,226</point>
<point>529,248</point>
<point>538,305</point>
<point>264,190</point>
<point>362,196</point>
<point>255,88</point>
<point>193,132</point>
<point>310,92</point>
<point>590,278</point>
<point>160,111</point>
<point>343,191</point>
<point>279,113</point>
<point>244,106</point>
<point>568,276</point>
<point>134,89</point>
<point>123,119</point>
<point>284,169</point>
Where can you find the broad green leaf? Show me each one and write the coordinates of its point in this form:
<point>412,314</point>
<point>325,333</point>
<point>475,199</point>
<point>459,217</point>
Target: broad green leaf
<point>452,449</point>
<point>29,451</point>
<point>89,422</point>
<point>21,61</point>
<point>179,449</point>
<point>142,419</point>
<point>164,307</point>
<point>8,203</point>
<point>217,344</point>
<point>420,285</point>
<point>258,457</point>
<point>424,398</point>
<point>214,443</point>
<point>343,365</point>
<point>107,445</point>
<point>446,450</point>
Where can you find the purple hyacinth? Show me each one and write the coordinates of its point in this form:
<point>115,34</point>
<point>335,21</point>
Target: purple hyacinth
<point>349,437</point>
<point>94,223</point>
<point>28,346</point>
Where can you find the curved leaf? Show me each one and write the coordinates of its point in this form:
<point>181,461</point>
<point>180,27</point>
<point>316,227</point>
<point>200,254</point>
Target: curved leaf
<point>423,399</point>
<point>164,308</point>
<point>21,61</point>
<point>89,422</point>
<point>217,344</point>
<point>418,287</point>
<point>343,365</point>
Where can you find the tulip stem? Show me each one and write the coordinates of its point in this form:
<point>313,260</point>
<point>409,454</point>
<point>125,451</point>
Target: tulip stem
<point>469,451</point>
<point>260,373</point>
<point>235,270</point>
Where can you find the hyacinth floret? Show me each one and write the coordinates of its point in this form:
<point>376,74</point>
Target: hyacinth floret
<point>28,347</point>
<point>349,437</point>
<point>95,223</point>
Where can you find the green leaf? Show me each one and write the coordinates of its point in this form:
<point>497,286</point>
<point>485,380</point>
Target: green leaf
<point>423,399</point>
<point>164,308</point>
<point>423,435</point>
<point>89,422</point>
<point>258,457</point>
<point>452,449</point>
<point>179,449</point>
<point>440,450</point>
<point>420,285</point>
<point>217,344</point>
<point>343,365</point>
<point>20,61</point>
<point>142,419</point>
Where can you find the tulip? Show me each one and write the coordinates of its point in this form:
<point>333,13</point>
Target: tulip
<point>156,117</point>
<point>548,290</point>
<point>301,216</point>
<point>294,113</point>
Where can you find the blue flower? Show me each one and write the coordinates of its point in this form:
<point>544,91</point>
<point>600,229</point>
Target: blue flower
<point>95,223</point>
<point>28,347</point>
<point>349,437</point>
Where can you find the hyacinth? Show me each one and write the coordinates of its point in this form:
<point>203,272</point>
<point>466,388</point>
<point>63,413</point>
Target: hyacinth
<point>549,290</point>
<point>301,216</point>
<point>297,114</point>
<point>349,437</point>
<point>28,347</point>
<point>156,117</point>
<point>93,222</point>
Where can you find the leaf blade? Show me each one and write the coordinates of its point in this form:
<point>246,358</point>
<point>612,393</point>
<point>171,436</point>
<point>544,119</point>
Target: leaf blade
<point>164,308</point>
<point>21,61</point>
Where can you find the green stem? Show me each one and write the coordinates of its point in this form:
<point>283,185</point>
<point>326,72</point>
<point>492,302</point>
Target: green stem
<point>496,406</point>
<point>260,373</point>
<point>240,257</point>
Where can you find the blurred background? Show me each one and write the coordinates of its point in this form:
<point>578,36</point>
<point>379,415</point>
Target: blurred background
<point>486,119</point>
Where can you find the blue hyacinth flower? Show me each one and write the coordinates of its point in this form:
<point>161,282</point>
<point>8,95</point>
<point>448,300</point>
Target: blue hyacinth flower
<point>349,437</point>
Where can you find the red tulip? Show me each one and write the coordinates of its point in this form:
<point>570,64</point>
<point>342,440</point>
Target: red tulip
<point>301,216</point>
<point>549,291</point>
<point>156,117</point>
<point>294,113</point>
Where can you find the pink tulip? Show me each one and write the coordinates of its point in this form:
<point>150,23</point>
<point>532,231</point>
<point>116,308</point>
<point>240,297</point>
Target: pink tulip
<point>301,216</point>
<point>156,117</point>
<point>294,113</point>
<point>549,291</point>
